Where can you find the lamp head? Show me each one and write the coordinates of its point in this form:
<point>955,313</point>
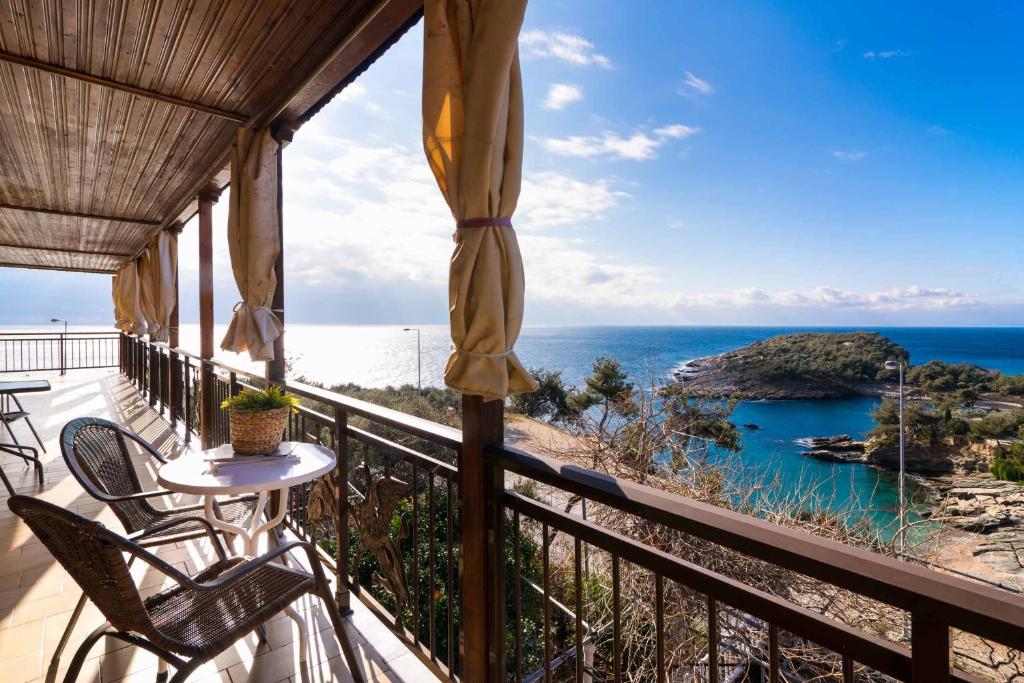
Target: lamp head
<point>407,329</point>
<point>56,320</point>
<point>892,365</point>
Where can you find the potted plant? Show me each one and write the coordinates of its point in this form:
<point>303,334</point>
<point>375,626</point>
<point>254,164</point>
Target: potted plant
<point>258,419</point>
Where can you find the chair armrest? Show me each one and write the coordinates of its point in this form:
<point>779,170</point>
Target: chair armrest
<point>265,559</point>
<point>19,447</point>
<point>106,498</point>
<point>171,523</point>
<point>146,446</point>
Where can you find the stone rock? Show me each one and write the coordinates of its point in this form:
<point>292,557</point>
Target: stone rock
<point>982,506</point>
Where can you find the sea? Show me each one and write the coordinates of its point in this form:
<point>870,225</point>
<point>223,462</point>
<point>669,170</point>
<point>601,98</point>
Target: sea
<point>377,356</point>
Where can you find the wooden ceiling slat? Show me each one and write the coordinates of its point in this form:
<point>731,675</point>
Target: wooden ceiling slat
<point>122,109</point>
<point>74,214</point>
<point>122,87</point>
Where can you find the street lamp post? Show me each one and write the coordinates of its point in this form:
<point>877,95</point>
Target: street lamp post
<point>63,337</point>
<point>894,365</point>
<point>419,357</point>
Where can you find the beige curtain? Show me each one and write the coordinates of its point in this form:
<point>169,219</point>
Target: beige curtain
<point>128,299</point>
<point>473,138</point>
<point>254,243</point>
<point>156,276</point>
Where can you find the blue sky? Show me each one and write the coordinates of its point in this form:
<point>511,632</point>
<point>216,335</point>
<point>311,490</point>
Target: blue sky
<point>692,163</point>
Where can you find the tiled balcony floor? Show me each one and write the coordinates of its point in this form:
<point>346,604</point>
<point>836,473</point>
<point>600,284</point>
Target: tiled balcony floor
<point>37,595</point>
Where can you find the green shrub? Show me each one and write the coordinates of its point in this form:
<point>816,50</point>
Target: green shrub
<point>998,425</point>
<point>1008,463</point>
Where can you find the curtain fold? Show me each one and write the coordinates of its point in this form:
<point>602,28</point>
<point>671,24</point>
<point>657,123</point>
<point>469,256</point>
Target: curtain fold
<point>254,243</point>
<point>157,271</point>
<point>128,315</point>
<point>473,139</point>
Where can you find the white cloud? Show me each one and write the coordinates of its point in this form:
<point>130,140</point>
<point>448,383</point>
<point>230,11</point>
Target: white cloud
<point>640,146</point>
<point>896,299</point>
<point>568,47</point>
<point>886,54</point>
<point>561,95</point>
<point>551,200</point>
<point>849,154</point>
<point>676,131</point>
<point>695,86</point>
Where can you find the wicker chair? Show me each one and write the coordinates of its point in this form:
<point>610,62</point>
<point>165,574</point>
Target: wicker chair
<point>96,453</point>
<point>189,624</point>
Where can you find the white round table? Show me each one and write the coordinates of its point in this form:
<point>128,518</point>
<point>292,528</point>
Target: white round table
<point>190,473</point>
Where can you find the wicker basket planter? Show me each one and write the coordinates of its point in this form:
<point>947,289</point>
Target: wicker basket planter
<point>257,431</point>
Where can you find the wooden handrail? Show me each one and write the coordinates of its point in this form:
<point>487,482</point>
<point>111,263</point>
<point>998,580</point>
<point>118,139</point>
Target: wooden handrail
<point>982,610</point>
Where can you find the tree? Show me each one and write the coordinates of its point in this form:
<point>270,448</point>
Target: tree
<point>550,401</point>
<point>609,388</point>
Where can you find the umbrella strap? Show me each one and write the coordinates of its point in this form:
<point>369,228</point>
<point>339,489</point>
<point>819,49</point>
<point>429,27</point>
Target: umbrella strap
<point>500,354</point>
<point>484,222</point>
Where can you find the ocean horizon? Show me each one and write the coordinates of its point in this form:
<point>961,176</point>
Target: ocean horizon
<point>382,355</point>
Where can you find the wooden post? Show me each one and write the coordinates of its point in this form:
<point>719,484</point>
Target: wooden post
<point>174,341</point>
<point>482,566</point>
<point>206,407</point>
<point>276,368</point>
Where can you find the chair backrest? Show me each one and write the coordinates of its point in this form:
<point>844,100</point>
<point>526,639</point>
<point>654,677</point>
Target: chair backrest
<point>92,555</point>
<point>97,455</point>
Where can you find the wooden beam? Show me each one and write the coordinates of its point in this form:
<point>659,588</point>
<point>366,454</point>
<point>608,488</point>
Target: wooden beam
<point>55,250</point>
<point>77,214</point>
<point>122,87</point>
<point>206,202</point>
<point>29,266</point>
<point>276,367</point>
<point>206,407</point>
<point>482,561</point>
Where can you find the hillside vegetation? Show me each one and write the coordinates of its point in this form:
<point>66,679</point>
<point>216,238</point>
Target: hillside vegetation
<point>805,365</point>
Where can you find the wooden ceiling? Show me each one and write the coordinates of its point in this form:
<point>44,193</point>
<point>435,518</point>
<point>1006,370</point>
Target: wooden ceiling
<point>114,114</point>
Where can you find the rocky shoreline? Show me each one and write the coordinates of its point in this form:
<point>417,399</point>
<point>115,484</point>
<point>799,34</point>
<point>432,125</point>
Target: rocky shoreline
<point>988,511</point>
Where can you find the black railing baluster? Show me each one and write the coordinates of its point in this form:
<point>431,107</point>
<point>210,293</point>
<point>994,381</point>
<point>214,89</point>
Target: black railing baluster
<point>450,580</point>
<point>773,653</point>
<point>431,587</point>
<point>616,620</point>
<point>712,640</point>
<point>659,626</point>
<point>517,597</point>
<point>415,555</point>
<point>578,589</point>
<point>546,597</point>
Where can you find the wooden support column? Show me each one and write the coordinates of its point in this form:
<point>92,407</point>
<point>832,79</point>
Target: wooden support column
<point>276,368</point>
<point>174,339</point>
<point>482,563</point>
<point>206,407</point>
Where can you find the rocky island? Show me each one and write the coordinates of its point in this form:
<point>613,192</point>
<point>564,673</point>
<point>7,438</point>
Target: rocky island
<point>812,365</point>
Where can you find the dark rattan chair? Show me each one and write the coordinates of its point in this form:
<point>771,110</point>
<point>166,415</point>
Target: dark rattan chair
<point>186,625</point>
<point>96,453</point>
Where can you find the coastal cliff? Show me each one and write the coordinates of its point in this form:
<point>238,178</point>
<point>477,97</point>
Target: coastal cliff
<point>813,365</point>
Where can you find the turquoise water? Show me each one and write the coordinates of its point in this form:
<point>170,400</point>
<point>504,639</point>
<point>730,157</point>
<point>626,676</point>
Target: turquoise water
<point>382,355</point>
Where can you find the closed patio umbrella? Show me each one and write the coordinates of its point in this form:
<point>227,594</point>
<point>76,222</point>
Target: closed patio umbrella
<point>156,274</point>
<point>473,139</point>
<point>128,299</point>
<point>254,243</point>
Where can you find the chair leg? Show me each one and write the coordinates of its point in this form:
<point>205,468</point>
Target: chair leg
<point>182,674</point>
<point>324,591</point>
<point>35,434</point>
<point>76,664</point>
<point>300,623</point>
<point>55,661</point>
